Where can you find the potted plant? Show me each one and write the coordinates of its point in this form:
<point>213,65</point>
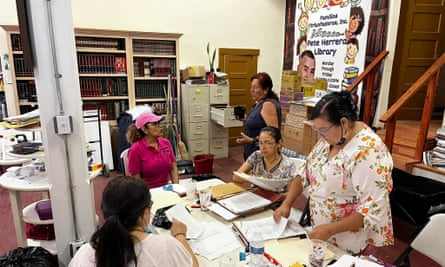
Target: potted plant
<point>211,74</point>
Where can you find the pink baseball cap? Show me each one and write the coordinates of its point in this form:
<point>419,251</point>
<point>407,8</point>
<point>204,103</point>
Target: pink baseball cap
<point>147,117</point>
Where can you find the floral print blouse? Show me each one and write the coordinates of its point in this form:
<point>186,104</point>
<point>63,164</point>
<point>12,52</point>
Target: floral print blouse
<point>357,178</point>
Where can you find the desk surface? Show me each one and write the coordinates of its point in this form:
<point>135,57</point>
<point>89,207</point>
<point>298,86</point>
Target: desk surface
<point>37,182</point>
<point>286,251</point>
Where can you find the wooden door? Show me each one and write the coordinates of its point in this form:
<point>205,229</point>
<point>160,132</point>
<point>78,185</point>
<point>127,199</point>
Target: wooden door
<point>240,65</point>
<point>421,40</point>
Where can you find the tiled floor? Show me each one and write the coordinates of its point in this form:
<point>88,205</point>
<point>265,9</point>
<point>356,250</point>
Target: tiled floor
<point>222,168</point>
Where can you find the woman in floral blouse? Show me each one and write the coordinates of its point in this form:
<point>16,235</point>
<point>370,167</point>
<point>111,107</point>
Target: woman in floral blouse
<point>348,175</point>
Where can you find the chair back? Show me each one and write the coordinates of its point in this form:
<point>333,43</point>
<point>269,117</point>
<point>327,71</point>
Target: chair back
<point>124,159</point>
<point>431,239</point>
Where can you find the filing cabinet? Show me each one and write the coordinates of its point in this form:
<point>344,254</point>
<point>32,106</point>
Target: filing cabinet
<point>201,134</point>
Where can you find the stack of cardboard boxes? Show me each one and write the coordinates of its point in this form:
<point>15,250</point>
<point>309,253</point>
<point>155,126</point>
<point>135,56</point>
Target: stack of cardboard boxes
<point>297,130</point>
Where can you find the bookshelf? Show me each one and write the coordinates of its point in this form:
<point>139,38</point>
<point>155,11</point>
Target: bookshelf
<point>117,70</point>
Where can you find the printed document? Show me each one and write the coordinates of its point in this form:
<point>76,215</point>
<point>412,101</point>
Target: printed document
<point>276,185</point>
<point>244,202</point>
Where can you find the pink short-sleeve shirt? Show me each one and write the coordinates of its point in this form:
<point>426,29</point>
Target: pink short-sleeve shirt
<point>153,165</point>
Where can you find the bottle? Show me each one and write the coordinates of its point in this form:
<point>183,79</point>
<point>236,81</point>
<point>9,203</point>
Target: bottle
<point>256,249</point>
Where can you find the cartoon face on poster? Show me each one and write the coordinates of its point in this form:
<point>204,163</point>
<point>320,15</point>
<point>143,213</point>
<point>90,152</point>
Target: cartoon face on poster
<point>336,32</point>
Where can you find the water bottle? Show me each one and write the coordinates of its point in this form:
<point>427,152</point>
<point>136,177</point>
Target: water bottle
<point>256,249</point>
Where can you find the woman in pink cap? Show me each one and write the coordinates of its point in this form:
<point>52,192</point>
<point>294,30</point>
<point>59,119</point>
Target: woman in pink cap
<point>151,157</point>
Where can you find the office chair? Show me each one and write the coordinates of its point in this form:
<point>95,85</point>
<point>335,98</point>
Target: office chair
<point>430,241</point>
<point>124,160</point>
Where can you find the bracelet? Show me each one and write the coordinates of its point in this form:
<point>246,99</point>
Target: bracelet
<point>175,235</point>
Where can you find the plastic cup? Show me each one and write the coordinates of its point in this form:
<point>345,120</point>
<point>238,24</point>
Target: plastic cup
<point>204,198</point>
<point>190,190</point>
<point>316,253</point>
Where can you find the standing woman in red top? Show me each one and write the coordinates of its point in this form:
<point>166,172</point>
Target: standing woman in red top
<point>151,157</point>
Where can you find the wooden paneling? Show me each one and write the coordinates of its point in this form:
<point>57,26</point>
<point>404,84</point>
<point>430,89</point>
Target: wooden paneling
<point>421,40</point>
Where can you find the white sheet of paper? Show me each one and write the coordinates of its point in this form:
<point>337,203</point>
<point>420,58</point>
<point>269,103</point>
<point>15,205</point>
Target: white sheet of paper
<point>348,260</point>
<point>269,229</point>
<point>275,185</point>
<point>216,240</point>
<point>180,213</point>
<point>244,202</point>
<point>221,211</point>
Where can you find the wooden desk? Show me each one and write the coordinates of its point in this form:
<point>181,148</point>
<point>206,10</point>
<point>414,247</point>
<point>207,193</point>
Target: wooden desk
<point>286,251</point>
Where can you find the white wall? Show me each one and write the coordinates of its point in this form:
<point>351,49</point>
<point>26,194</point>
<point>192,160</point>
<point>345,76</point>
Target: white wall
<point>257,24</point>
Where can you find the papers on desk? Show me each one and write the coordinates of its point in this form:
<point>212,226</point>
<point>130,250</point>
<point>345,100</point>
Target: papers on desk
<point>216,240</point>
<point>269,229</point>
<point>348,260</point>
<point>209,240</point>
<point>276,185</point>
<point>244,203</point>
<point>179,212</point>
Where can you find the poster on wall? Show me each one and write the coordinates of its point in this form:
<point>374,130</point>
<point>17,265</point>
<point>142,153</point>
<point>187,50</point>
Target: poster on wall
<point>336,32</point>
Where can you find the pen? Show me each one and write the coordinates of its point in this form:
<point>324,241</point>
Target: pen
<point>195,206</point>
<point>271,259</point>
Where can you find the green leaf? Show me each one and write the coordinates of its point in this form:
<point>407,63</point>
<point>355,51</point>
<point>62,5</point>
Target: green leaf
<point>208,49</point>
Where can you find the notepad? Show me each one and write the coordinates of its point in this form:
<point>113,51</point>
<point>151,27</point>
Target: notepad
<point>244,203</point>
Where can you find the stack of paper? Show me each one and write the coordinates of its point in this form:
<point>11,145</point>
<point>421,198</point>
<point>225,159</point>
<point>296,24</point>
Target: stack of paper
<point>276,185</point>
<point>269,229</point>
<point>244,203</point>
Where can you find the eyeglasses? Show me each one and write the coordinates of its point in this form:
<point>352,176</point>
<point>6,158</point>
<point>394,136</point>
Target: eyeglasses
<point>158,124</point>
<point>266,143</point>
<point>323,132</point>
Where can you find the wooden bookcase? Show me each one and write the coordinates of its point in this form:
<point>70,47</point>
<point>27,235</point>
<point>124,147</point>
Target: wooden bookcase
<point>117,70</point>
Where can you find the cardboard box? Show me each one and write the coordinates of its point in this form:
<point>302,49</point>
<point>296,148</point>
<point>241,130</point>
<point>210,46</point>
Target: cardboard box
<point>193,72</point>
<point>288,96</point>
<point>290,83</point>
<point>291,132</point>
<point>292,138</point>
<point>308,87</point>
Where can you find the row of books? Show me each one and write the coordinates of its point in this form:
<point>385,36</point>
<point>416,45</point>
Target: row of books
<point>157,47</point>
<point>155,67</point>
<point>26,90</point>
<point>103,87</point>
<point>436,156</point>
<point>108,110</point>
<point>16,42</point>
<point>20,69</point>
<point>99,63</point>
<point>150,89</point>
<point>105,43</point>
<point>376,34</point>
<point>379,4</point>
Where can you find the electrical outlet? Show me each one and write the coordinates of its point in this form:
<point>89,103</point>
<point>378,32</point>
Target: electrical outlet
<point>75,245</point>
<point>63,124</point>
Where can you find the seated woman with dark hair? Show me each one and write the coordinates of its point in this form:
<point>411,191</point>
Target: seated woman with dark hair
<point>122,240</point>
<point>268,161</point>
